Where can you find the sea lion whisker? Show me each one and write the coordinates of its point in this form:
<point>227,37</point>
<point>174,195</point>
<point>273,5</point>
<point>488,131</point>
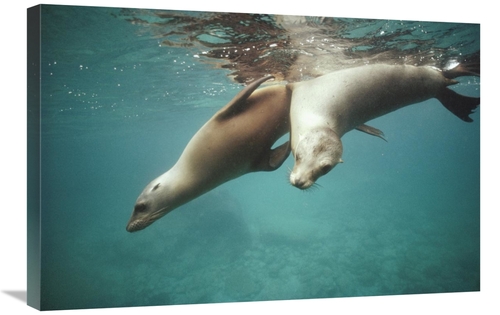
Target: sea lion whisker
<point>313,188</point>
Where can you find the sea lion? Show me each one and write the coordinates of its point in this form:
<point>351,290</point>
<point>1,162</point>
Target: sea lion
<point>325,108</point>
<point>237,140</point>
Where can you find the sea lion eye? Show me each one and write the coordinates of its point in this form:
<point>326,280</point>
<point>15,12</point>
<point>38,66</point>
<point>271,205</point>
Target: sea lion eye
<point>325,169</point>
<point>140,207</point>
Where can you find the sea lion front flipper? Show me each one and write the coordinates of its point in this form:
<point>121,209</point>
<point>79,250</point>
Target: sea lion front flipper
<point>235,105</point>
<point>274,159</point>
<point>371,131</point>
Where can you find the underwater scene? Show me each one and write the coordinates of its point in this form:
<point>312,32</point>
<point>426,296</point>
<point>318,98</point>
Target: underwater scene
<point>124,90</point>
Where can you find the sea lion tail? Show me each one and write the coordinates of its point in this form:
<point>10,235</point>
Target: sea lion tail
<point>460,105</point>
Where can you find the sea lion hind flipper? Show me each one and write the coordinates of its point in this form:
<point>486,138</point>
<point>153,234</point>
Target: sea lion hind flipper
<point>460,105</point>
<point>372,131</point>
<point>235,105</point>
<point>465,68</point>
<point>274,158</point>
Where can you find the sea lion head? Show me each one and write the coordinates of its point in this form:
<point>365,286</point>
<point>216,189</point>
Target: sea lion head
<point>316,153</point>
<point>152,204</point>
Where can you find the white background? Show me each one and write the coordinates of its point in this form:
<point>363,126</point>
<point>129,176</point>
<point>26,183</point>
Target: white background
<point>13,154</point>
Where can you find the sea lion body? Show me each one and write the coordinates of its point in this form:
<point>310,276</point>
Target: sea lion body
<point>237,140</point>
<point>325,108</point>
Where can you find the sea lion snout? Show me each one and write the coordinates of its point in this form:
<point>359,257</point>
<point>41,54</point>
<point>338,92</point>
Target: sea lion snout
<point>316,153</point>
<point>138,219</point>
<point>300,181</point>
<point>305,177</point>
<point>145,212</point>
<point>134,226</point>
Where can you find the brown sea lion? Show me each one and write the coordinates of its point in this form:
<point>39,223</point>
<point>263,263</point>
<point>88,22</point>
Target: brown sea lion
<point>237,140</point>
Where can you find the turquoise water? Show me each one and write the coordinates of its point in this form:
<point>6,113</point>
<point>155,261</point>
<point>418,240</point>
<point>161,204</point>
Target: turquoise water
<point>119,104</point>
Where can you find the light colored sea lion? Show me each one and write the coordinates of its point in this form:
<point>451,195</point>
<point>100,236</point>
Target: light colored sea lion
<point>237,140</point>
<point>325,108</point>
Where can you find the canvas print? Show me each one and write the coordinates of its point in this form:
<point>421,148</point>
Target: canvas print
<point>184,157</point>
